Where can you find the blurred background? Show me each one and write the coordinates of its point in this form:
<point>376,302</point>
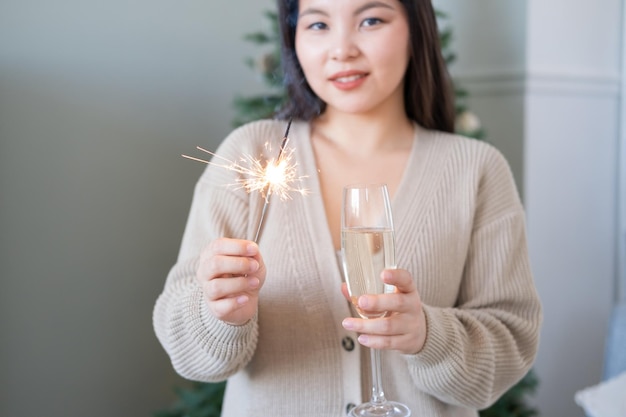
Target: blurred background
<point>99,99</point>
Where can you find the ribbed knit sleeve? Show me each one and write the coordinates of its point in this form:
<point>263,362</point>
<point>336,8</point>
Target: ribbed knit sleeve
<point>200,346</point>
<point>479,347</point>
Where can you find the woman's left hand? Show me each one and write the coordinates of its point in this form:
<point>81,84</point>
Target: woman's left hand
<point>403,328</point>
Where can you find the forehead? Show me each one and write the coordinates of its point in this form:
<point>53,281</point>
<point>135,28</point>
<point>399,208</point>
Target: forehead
<point>347,4</point>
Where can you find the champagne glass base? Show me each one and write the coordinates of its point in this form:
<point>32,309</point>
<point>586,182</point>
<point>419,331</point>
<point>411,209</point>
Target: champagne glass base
<point>386,409</point>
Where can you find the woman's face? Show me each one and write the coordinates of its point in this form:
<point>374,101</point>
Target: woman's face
<point>354,53</point>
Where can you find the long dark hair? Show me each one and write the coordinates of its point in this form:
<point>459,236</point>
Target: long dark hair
<point>428,93</point>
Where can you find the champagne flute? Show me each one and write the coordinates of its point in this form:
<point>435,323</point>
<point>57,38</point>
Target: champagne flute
<point>367,247</point>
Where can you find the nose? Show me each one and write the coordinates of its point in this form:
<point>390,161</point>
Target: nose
<point>343,46</point>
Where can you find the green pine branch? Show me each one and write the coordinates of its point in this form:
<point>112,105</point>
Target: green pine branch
<point>201,400</point>
<point>514,402</point>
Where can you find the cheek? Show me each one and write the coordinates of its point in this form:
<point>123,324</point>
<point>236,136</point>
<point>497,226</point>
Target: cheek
<point>308,57</point>
<point>301,54</point>
<point>396,59</point>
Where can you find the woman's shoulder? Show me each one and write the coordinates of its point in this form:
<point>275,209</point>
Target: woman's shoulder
<point>463,149</point>
<point>257,132</point>
<point>471,161</point>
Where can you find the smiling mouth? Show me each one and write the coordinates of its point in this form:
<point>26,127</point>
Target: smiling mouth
<point>349,78</point>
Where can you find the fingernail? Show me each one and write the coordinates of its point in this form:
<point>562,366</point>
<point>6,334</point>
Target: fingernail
<point>363,302</point>
<point>347,324</point>
<point>242,299</point>
<point>363,339</point>
<point>386,275</point>
<point>254,265</point>
<point>251,249</point>
<point>253,282</point>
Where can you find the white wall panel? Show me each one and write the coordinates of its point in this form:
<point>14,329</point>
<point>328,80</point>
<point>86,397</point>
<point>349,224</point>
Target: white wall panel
<point>621,218</point>
<point>570,199</point>
<point>574,38</point>
<point>545,78</point>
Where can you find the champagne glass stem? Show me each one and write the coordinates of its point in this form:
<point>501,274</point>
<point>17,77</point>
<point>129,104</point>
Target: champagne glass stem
<point>378,396</point>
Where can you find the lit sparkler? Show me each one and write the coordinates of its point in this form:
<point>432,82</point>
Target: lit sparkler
<point>274,176</point>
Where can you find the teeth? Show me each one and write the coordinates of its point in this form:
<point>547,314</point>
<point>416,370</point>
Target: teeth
<point>348,79</point>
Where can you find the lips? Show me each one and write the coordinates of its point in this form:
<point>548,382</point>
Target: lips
<point>348,80</point>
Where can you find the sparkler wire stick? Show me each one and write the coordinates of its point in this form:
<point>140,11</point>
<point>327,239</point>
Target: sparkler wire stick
<point>274,177</point>
<point>268,189</point>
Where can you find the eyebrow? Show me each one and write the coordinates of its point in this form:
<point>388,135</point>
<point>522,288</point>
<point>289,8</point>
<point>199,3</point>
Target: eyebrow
<point>366,6</point>
<point>372,5</point>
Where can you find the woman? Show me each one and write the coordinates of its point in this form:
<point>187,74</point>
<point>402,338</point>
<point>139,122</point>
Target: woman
<point>371,102</point>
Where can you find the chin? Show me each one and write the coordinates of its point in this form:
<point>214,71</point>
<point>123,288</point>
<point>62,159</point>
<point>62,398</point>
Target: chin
<point>351,108</point>
<point>358,104</point>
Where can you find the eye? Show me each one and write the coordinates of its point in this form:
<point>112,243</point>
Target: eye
<point>371,21</point>
<point>317,26</point>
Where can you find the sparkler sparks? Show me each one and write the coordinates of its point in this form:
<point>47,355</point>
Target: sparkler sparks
<point>274,176</point>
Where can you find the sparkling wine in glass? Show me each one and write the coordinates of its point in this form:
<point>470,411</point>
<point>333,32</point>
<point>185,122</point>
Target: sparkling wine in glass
<point>367,247</point>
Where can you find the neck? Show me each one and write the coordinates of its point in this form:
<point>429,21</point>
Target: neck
<point>364,133</point>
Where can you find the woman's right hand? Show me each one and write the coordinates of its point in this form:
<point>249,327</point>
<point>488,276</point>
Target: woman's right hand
<point>231,273</point>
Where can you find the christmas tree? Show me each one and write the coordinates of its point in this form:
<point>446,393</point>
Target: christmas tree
<point>205,399</point>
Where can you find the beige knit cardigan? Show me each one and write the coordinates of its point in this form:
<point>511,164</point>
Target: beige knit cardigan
<point>460,231</point>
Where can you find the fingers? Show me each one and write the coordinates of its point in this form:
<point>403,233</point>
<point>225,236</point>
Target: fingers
<point>405,333</point>
<point>403,328</point>
<point>392,333</point>
<point>225,308</point>
<point>384,326</point>
<point>233,247</point>
<point>230,273</point>
<point>220,265</point>
<point>229,257</point>
<point>404,343</point>
<point>400,278</point>
<point>392,303</point>
<point>402,300</point>
<point>229,298</point>
<point>217,289</point>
